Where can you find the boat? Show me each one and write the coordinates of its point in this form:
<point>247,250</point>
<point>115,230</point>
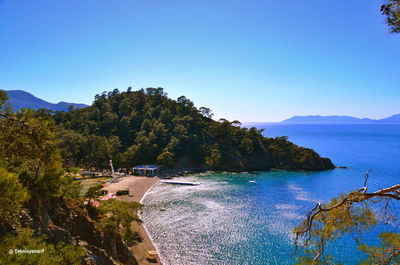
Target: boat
<point>180,182</point>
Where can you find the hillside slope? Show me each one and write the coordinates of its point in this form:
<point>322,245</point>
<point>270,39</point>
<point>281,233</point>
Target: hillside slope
<point>145,126</point>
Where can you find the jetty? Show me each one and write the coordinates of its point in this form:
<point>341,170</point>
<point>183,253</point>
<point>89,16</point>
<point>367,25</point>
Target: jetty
<point>180,182</point>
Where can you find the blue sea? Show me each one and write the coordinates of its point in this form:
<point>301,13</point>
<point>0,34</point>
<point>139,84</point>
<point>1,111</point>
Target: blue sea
<point>229,220</point>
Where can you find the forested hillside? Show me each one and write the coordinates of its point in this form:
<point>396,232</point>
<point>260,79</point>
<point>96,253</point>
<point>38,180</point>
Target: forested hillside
<point>145,126</point>
<point>41,208</point>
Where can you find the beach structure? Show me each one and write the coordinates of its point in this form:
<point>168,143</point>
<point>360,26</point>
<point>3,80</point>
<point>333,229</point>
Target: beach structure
<point>146,170</point>
<point>180,182</point>
<point>112,169</point>
<point>152,256</point>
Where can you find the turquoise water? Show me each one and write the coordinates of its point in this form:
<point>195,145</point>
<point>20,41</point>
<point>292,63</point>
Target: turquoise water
<point>229,220</point>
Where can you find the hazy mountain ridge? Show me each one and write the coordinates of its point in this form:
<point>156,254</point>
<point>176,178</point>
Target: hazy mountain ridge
<point>21,99</point>
<point>340,119</point>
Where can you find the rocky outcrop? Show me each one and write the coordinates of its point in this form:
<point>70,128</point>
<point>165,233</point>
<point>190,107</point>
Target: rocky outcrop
<point>67,221</point>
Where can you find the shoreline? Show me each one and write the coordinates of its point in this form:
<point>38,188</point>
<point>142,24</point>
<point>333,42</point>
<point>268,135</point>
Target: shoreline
<point>140,249</point>
<point>138,187</point>
<point>159,259</point>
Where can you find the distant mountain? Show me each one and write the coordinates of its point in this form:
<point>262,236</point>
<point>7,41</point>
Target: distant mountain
<point>22,99</point>
<point>340,119</point>
<point>392,119</point>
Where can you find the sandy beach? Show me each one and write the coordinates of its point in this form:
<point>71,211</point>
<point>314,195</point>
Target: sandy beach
<point>138,186</point>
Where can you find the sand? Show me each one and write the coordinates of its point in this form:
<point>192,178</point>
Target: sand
<point>138,186</point>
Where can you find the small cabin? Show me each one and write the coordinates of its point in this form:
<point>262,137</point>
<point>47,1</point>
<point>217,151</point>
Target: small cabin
<point>146,170</point>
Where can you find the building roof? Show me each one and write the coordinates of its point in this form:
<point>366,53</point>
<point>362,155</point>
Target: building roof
<point>147,167</point>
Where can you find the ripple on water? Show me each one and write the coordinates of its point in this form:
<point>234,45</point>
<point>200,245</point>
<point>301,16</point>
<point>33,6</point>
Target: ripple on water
<point>213,224</point>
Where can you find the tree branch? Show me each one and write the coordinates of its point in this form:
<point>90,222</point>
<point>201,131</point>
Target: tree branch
<point>359,196</point>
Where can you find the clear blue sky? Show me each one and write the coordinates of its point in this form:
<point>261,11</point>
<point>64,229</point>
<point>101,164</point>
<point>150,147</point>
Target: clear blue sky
<point>249,60</point>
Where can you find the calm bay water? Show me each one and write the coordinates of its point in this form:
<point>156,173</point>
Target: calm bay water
<point>229,220</point>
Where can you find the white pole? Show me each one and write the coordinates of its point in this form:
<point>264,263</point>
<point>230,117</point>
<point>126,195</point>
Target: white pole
<point>112,169</point>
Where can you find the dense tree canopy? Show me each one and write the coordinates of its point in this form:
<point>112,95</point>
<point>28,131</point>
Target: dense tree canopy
<point>34,187</point>
<point>60,253</point>
<point>117,216</point>
<point>29,149</point>
<point>12,196</point>
<point>145,126</point>
<point>30,170</point>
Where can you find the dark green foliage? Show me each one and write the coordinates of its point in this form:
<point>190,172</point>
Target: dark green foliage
<point>87,150</point>
<point>70,188</point>
<point>74,170</point>
<point>166,159</point>
<point>131,237</point>
<point>286,155</point>
<point>146,127</point>
<point>29,149</point>
<point>92,192</point>
<point>30,170</point>
<point>117,216</point>
<point>52,254</point>
<point>391,9</point>
<point>3,97</point>
<point>12,197</point>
